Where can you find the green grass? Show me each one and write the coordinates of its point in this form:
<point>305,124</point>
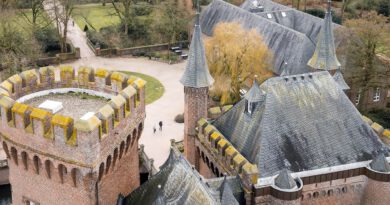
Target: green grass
<point>154,88</point>
<point>97,16</point>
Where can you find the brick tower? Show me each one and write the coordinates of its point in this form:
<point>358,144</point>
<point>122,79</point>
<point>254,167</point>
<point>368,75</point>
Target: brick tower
<point>55,159</point>
<point>196,80</point>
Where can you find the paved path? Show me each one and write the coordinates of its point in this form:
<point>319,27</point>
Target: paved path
<point>164,109</point>
<point>75,35</point>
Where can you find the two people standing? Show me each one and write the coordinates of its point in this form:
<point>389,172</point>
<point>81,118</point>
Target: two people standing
<point>160,124</point>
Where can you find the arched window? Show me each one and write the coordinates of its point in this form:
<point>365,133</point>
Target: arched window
<point>128,142</point>
<point>121,149</point>
<point>75,176</point>
<point>101,171</point>
<point>6,150</point>
<point>316,194</point>
<point>14,155</point>
<point>24,160</point>
<point>36,162</point>
<point>134,137</point>
<point>108,164</point>
<point>330,192</point>
<point>48,166</point>
<point>115,158</point>
<point>62,171</point>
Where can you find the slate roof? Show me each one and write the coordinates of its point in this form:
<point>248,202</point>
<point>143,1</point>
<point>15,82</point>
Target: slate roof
<point>284,180</point>
<point>306,122</point>
<point>338,77</point>
<point>290,46</point>
<point>180,184</point>
<point>255,94</point>
<point>226,194</point>
<point>380,163</point>
<point>292,38</point>
<point>197,74</point>
<point>324,57</point>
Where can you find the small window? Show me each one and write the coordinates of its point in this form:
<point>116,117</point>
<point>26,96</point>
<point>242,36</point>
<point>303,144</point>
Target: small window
<point>357,100</point>
<point>249,107</point>
<point>377,95</point>
<point>284,14</point>
<point>269,16</point>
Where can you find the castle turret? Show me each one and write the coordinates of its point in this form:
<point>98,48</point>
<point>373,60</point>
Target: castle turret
<point>324,57</point>
<point>378,182</point>
<point>196,80</point>
<point>286,189</point>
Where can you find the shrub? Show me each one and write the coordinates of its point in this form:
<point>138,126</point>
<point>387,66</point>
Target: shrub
<point>97,39</point>
<point>179,118</point>
<point>48,39</point>
<point>85,28</point>
<point>384,7</point>
<point>142,10</point>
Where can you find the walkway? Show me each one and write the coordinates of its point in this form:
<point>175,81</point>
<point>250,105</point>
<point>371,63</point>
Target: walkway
<point>75,35</point>
<point>164,109</point>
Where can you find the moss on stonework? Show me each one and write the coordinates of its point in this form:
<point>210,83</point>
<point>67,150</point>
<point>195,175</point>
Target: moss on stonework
<point>215,111</point>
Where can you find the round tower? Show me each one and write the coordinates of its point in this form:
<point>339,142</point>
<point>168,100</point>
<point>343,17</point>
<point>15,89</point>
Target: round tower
<point>196,80</point>
<point>286,190</point>
<point>378,182</point>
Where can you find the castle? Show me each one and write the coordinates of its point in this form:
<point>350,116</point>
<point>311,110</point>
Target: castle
<point>295,139</point>
<point>59,159</point>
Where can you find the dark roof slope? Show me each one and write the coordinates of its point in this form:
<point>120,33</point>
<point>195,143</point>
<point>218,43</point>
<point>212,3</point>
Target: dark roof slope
<point>290,46</point>
<point>175,183</point>
<point>306,122</point>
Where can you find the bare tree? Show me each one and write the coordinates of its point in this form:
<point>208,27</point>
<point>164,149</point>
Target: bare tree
<point>37,18</point>
<point>123,11</point>
<point>63,10</point>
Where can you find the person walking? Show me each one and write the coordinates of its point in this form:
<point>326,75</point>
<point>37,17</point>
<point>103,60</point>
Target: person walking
<point>160,124</point>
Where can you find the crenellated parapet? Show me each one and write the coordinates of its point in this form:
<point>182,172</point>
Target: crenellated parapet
<point>221,149</point>
<point>76,141</point>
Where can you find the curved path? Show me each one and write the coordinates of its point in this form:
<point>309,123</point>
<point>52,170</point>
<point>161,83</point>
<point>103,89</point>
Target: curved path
<point>164,109</point>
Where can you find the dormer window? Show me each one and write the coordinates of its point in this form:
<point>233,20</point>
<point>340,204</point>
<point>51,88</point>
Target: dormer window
<point>377,95</point>
<point>357,100</point>
<point>249,107</point>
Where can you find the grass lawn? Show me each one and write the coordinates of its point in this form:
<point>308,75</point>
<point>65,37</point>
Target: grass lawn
<point>154,89</point>
<point>97,16</point>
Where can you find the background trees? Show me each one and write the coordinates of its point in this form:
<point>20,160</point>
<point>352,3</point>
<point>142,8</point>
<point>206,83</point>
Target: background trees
<point>234,56</point>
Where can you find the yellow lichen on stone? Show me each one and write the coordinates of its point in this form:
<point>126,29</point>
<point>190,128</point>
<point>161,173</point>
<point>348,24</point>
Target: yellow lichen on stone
<point>106,112</point>
<point>6,102</point>
<point>101,72</point>
<point>128,92</point>
<point>15,79</point>
<point>39,114</point>
<point>4,92</point>
<point>215,136</point>
<point>377,128</point>
<point>209,129</point>
<point>131,79</point>
<point>62,121</point>
<point>230,151</point>
<point>367,120</point>
<point>72,141</point>
<point>251,169</point>
<point>386,133</point>
<point>6,85</point>
<point>202,122</point>
<point>29,75</point>
<point>20,108</point>
<point>88,125</point>
<point>239,160</point>
<point>117,101</point>
<point>222,143</point>
<point>117,76</point>
<point>139,83</point>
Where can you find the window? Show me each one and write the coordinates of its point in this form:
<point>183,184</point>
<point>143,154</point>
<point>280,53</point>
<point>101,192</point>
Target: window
<point>357,100</point>
<point>269,16</point>
<point>249,107</point>
<point>284,14</point>
<point>377,95</point>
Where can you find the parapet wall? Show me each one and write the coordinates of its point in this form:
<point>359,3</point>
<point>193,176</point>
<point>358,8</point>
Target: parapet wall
<point>74,141</point>
<point>233,162</point>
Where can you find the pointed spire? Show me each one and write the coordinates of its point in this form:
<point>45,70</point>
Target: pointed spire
<point>324,57</point>
<point>284,180</point>
<point>338,77</point>
<point>255,94</point>
<point>226,193</point>
<point>380,164</point>
<point>197,73</point>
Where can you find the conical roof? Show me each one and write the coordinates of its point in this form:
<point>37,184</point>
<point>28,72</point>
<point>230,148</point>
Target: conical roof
<point>338,77</point>
<point>324,57</point>
<point>284,180</point>
<point>380,164</point>
<point>197,73</point>
<point>255,94</point>
<point>226,194</point>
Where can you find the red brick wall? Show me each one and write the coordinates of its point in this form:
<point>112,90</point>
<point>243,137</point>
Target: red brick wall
<point>376,193</point>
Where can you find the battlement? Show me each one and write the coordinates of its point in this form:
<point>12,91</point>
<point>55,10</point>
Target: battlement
<point>217,144</point>
<point>73,140</point>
